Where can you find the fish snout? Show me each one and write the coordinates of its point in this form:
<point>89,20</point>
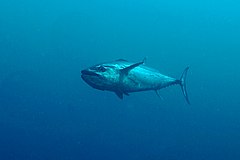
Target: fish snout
<point>89,73</point>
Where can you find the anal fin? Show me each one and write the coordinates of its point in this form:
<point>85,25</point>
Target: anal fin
<point>157,93</point>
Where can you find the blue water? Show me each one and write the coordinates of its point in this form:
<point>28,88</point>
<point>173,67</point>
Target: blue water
<point>48,112</point>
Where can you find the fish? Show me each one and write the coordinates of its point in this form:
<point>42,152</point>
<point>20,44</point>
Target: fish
<point>123,77</point>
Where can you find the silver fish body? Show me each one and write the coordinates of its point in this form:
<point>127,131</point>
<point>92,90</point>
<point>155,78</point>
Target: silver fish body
<point>123,77</point>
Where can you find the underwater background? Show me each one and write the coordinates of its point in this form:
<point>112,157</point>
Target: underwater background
<point>48,112</point>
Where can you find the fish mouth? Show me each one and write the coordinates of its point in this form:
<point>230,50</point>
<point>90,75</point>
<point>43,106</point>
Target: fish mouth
<point>89,77</point>
<point>88,73</point>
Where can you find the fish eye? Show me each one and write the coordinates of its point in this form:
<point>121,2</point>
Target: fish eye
<point>101,69</point>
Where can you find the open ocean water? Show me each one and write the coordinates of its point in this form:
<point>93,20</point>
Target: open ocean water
<point>48,112</point>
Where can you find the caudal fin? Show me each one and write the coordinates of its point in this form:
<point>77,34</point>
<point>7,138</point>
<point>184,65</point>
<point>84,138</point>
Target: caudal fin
<point>183,84</point>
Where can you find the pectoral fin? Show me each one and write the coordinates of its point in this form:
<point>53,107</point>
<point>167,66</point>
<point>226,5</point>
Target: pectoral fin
<point>125,71</point>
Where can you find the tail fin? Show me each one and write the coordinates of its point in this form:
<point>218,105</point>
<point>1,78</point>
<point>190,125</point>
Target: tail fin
<point>183,84</point>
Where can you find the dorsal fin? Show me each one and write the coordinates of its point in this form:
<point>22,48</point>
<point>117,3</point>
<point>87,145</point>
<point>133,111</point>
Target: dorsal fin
<point>119,60</point>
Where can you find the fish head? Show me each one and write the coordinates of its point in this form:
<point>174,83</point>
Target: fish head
<point>102,77</point>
